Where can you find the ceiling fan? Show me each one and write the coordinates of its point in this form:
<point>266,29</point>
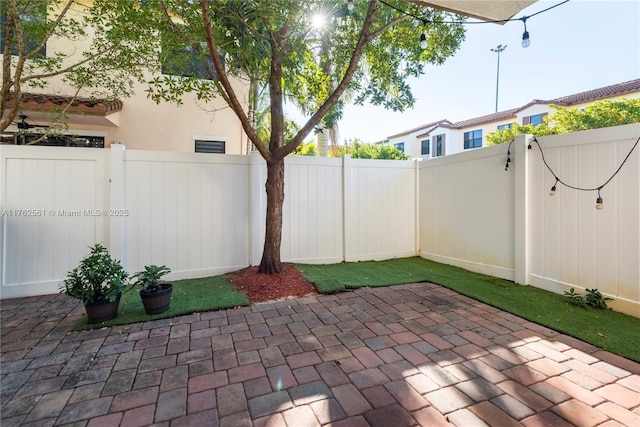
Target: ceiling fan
<point>24,126</point>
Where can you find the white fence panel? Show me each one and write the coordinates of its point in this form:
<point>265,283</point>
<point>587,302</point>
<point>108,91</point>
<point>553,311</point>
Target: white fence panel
<point>52,202</point>
<point>573,244</point>
<point>187,211</point>
<point>381,210</point>
<point>467,211</point>
<point>203,214</point>
<point>312,230</point>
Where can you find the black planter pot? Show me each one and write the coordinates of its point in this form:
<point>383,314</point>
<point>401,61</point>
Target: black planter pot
<point>101,311</point>
<point>157,302</point>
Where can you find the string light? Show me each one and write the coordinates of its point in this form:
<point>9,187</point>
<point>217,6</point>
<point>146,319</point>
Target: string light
<point>423,41</point>
<point>553,189</point>
<point>599,200</point>
<point>525,36</point>
<point>417,19</point>
<point>508,155</point>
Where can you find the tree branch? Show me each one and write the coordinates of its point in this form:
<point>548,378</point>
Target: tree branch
<point>49,33</point>
<point>385,27</point>
<point>233,100</point>
<point>63,70</point>
<point>342,86</point>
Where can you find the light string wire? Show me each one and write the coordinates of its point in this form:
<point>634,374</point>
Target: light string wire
<point>558,180</point>
<point>574,187</point>
<point>501,21</point>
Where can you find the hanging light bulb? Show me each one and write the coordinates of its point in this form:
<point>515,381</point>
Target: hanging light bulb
<point>423,41</point>
<point>525,36</point>
<point>350,5</point>
<point>599,201</point>
<point>553,189</point>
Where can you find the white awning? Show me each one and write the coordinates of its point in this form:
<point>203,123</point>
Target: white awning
<point>486,10</point>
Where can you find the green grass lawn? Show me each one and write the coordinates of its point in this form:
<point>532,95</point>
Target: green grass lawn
<point>188,296</point>
<point>612,331</point>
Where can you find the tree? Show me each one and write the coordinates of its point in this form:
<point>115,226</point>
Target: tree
<point>389,61</point>
<point>600,114</point>
<point>116,55</point>
<point>273,42</point>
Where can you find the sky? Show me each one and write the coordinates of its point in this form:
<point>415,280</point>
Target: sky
<point>578,46</point>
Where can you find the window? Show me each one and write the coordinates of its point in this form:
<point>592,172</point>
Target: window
<point>216,147</point>
<point>88,141</point>
<point>473,139</point>
<point>534,120</point>
<point>507,126</point>
<point>424,150</point>
<point>189,61</point>
<point>399,146</point>
<point>32,17</point>
<point>438,145</point>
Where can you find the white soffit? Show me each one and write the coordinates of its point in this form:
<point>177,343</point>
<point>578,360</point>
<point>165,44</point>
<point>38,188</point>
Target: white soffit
<point>486,10</point>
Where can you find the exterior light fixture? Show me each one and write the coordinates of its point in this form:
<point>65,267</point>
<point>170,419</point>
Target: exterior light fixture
<point>525,36</point>
<point>599,201</point>
<point>350,6</point>
<point>423,41</point>
<point>553,189</point>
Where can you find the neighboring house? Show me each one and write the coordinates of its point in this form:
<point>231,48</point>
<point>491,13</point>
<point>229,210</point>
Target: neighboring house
<point>442,137</point>
<point>137,121</point>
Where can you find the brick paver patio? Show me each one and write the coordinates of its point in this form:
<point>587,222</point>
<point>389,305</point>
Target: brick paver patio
<point>404,355</point>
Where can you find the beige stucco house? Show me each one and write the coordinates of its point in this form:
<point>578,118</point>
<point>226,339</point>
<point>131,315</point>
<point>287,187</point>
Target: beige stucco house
<point>442,137</point>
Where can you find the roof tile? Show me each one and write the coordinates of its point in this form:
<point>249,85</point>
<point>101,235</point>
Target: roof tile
<point>618,89</point>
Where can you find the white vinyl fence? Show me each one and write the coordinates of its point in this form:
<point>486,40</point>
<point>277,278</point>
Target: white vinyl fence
<point>478,216</point>
<point>203,214</point>
<point>200,214</point>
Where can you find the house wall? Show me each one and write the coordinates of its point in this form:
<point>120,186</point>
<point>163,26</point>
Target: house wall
<point>143,124</point>
<point>411,144</point>
<point>455,137</point>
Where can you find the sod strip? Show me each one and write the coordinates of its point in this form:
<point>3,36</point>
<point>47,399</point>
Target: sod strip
<point>188,296</point>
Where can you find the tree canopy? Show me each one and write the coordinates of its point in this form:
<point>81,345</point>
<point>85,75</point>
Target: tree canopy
<point>101,49</point>
<point>367,53</point>
<point>313,59</point>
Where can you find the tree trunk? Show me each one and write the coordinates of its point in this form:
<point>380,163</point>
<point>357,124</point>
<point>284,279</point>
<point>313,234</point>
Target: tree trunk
<point>271,263</point>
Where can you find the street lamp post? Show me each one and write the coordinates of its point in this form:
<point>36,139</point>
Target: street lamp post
<point>498,49</point>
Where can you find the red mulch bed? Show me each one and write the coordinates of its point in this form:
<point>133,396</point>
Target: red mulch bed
<point>267,287</point>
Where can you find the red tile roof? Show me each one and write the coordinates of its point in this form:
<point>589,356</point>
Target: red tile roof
<point>74,105</point>
<point>441,123</point>
<point>600,93</point>
<point>499,116</point>
<point>618,89</point>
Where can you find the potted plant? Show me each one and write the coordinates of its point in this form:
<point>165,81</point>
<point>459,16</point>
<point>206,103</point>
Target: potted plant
<point>155,294</point>
<point>98,282</point>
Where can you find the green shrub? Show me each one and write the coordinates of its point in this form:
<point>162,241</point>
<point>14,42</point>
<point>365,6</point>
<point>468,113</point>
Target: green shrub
<point>600,114</point>
<point>593,298</point>
<point>98,277</point>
